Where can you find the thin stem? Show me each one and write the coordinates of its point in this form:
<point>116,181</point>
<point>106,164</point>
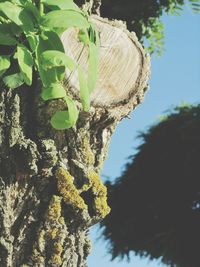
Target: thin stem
<point>41,8</point>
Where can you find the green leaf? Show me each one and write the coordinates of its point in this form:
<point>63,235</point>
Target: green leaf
<point>18,15</point>
<point>14,29</point>
<point>27,22</point>
<point>60,120</point>
<point>53,58</point>
<point>25,61</point>
<point>94,34</point>
<point>83,37</point>
<point>91,38</point>
<point>92,66</point>
<point>33,10</point>
<point>13,81</point>
<point>84,91</point>
<point>54,91</point>
<point>64,19</point>
<point>195,6</point>
<point>20,2</point>
<point>65,119</point>
<point>6,37</point>
<point>97,38</point>
<point>72,109</point>
<point>61,4</point>
<point>33,41</point>
<point>11,11</point>
<point>49,41</point>
<point>16,2</point>
<point>4,64</point>
<point>47,76</point>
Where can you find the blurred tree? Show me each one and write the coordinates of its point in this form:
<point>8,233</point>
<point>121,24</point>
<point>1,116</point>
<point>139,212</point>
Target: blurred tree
<point>156,202</point>
<point>144,17</point>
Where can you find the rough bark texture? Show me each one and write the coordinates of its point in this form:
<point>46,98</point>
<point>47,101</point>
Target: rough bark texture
<point>50,189</point>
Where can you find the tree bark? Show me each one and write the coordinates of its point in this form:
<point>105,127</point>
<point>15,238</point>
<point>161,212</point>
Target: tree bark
<point>50,188</point>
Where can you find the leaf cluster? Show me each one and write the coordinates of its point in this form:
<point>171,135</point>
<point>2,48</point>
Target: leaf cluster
<point>155,204</point>
<point>30,42</point>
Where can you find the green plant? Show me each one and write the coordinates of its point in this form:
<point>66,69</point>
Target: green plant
<point>30,40</point>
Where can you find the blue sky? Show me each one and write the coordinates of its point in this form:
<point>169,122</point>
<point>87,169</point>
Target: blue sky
<point>175,78</point>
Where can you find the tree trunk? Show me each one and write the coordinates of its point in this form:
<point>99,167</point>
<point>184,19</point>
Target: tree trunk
<point>51,192</point>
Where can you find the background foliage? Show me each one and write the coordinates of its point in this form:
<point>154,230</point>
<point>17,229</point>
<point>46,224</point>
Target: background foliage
<point>156,202</point>
<point>144,17</point>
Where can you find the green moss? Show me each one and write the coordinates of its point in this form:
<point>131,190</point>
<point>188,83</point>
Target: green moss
<point>49,231</point>
<point>54,210</point>
<point>67,189</point>
<point>62,220</point>
<point>41,239</point>
<point>87,152</point>
<point>71,195</point>
<point>36,257</point>
<point>56,256</point>
<point>101,206</point>
<point>53,233</point>
<point>100,192</point>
